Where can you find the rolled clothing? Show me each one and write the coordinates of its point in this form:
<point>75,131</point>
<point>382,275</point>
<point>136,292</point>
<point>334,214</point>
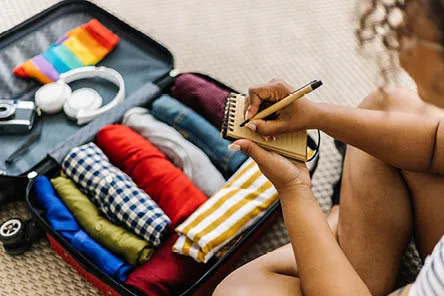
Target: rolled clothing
<point>151,170</point>
<point>200,132</point>
<point>185,155</point>
<point>87,133</point>
<point>235,207</point>
<point>62,221</point>
<point>115,194</point>
<point>166,273</point>
<point>202,96</point>
<point>113,237</point>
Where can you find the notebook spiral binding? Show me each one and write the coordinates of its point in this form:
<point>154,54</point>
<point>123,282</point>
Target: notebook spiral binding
<point>229,114</point>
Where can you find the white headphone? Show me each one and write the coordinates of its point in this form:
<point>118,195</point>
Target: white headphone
<point>84,104</point>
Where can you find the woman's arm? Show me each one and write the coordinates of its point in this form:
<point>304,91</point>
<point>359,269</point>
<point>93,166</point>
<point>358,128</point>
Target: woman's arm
<point>403,140</point>
<point>323,267</point>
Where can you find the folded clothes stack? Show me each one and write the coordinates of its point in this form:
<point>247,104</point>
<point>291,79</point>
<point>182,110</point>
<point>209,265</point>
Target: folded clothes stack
<point>151,175</point>
<point>149,168</point>
<point>198,131</point>
<point>113,237</point>
<point>62,221</point>
<point>202,96</point>
<point>166,273</point>
<point>235,207</point>
<point>183,154</point>
<point>115,193</point>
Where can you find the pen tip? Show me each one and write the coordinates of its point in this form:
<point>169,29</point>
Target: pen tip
<point>244,123</point>
<point>315,84</point>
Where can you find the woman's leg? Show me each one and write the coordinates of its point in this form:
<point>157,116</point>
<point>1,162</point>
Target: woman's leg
<point>427,192</point>
<point>376,203</point>
<point>274,273</point>
<point>375,221</point>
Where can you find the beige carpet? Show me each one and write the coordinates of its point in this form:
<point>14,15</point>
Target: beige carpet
<point>241,43</point>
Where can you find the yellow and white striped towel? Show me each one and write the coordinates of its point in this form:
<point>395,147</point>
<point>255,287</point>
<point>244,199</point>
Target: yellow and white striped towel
<point>228,212</point>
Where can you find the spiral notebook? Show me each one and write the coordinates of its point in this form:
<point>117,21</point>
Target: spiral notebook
<point>290,145</point>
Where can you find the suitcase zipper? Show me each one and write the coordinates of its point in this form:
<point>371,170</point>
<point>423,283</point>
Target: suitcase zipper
<point>168,79</point>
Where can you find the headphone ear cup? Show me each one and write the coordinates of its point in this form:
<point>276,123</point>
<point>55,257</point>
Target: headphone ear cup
<point>51,97</point>
<point>82,99</point>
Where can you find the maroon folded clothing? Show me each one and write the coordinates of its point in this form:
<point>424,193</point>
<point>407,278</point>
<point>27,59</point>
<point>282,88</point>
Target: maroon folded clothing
<point>202,96</point>
<point>166,273</point>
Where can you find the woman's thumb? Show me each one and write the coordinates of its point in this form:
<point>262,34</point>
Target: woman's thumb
<point>267,127</point>
<point>251,149</point>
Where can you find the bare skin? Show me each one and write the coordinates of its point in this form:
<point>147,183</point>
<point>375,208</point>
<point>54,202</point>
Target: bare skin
<point>392,186</point>
<point>381,206</point>
<point>275,273</point>
<point>376,216</point>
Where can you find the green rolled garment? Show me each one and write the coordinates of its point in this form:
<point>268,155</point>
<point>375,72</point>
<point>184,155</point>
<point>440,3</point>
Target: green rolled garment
<point>115,238</point>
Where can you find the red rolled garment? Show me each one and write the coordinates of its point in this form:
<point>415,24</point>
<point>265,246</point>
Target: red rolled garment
<point>202,96</point>
<point>151,170</point>
<point>166,273</point>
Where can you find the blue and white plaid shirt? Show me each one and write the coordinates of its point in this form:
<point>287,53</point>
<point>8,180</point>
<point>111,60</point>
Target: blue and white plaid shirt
<point>114,193</point>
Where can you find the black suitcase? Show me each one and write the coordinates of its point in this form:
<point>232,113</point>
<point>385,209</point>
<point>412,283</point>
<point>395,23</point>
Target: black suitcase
<point>141,61</point>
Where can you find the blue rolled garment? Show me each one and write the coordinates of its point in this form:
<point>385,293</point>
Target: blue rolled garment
<point>62,221</point>
<point>198,131</point>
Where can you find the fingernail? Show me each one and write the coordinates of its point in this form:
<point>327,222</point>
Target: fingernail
<point>252,126</point>
<point>274,138</point>
<point>246,114</point>
<point>266,138</point>
<point>234,147</point>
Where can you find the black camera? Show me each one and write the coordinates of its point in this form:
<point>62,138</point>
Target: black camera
<point>16,116</point>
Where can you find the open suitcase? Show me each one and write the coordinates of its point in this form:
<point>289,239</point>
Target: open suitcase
<point>146,67</point>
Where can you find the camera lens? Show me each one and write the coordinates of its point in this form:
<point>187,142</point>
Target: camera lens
<point>6,110</point>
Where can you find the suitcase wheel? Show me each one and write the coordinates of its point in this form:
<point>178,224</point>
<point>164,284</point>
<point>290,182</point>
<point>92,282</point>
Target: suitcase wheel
<point>17,236</point>
<point>12,232</point>
<point>17,249</point>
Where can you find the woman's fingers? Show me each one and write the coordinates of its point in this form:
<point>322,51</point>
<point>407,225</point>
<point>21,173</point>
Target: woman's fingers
<point>279,170</point>
<point>273,90</point>
<point>268,127</point>
<point>271,164</point>
<point>254,100</point>
<point>268,163</point>
<point>248,147</point>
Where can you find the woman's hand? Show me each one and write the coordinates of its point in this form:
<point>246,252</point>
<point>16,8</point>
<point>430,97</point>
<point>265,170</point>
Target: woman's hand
<point>302,114</point>
<point>285,175</point>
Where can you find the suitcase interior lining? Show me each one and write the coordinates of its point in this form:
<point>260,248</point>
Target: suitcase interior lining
<point>139,61</point>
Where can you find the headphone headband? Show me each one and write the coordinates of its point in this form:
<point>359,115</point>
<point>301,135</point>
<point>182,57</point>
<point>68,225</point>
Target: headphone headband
<point>109,74</point>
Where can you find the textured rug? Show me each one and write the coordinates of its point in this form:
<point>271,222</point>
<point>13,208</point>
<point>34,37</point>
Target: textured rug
<point>241,43</point>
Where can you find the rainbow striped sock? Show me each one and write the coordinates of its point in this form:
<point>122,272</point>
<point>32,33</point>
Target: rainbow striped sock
<point>85,45</point>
